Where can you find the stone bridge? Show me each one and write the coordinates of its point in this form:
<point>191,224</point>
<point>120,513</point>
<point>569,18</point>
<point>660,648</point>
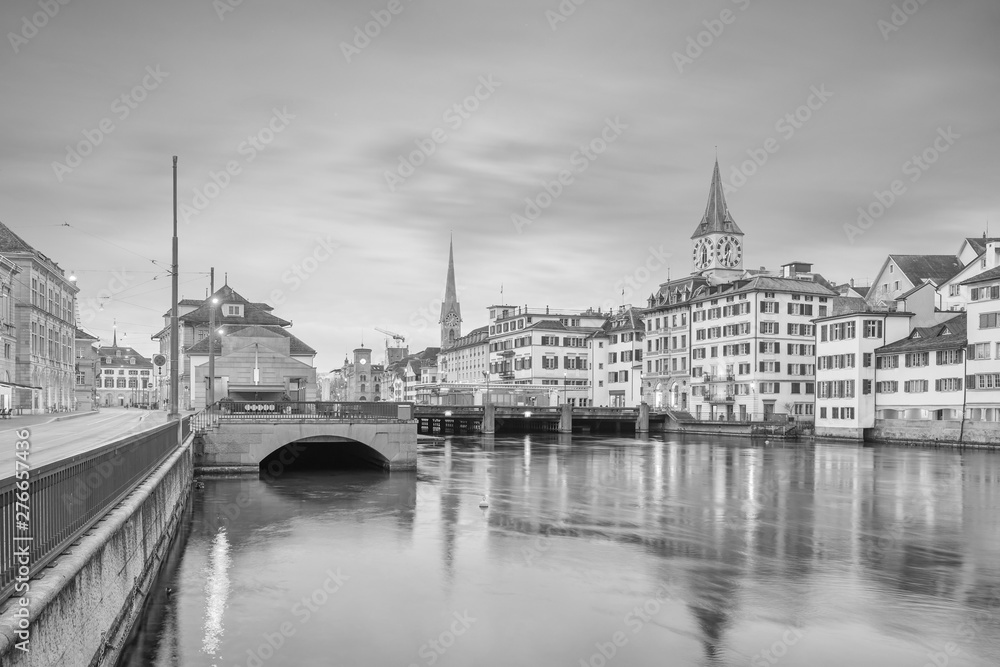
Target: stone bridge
<point>239,436</point>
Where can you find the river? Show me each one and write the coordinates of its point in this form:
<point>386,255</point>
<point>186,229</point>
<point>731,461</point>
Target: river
<point>593,551</point>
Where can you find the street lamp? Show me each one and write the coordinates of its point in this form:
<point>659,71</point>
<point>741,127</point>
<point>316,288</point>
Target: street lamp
<point>211,345</point>
<point>565,382</point>
<point>487,376</point>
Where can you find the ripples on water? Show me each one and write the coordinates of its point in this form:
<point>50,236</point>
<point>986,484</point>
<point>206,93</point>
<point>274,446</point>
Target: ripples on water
<point>598,551</point>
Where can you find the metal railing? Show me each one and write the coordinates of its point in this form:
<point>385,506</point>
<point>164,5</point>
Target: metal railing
<point>249,411</point>
<point>43,514</point>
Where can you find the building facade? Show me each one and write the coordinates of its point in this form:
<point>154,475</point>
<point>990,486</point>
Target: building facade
<point>845,365</point>
<point>667,375</point>
<point>983,332</point>
<point>8,334</point>
<point>45,320</point>
<point>466,361</point>
<point>616,360</point>
<point>87,370</point>
<point>126,377</point>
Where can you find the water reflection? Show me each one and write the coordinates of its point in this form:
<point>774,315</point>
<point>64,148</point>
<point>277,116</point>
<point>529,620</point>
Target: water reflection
<point>709,552</point>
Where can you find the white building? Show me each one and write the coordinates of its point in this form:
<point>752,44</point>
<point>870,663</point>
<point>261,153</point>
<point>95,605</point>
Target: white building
<point>845,368</point>
<point>920,377</point>
<point>467,359</point>
<point>666,377</point>
<point>753,348</point>
<point>541,354</point>
<point>983,333</point>
<point>901,273</point>
<point>616,360</point>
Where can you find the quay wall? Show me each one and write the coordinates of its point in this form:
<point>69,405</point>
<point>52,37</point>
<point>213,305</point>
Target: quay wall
<point>83,608</point>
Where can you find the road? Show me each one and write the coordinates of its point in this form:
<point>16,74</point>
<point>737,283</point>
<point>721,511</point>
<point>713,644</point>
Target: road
<point>59,439</point>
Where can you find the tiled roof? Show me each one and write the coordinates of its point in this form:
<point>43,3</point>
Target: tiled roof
<point>252,312</point>
<point>296,346</point>
<point>83,335</point>
<point>11,242</point>
<point>121,362</point>
<point>717,217</point>
<point>912,291</point>
<point>984,277</point>
<point>947,335</point>
<point>766,284</point>
<point>920,268</point>
<point>979,244</point>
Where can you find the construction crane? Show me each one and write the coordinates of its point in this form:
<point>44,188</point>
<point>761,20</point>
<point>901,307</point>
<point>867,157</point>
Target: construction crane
<point>399,338</point>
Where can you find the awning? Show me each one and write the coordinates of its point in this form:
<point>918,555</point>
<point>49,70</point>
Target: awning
<point>18,386</point>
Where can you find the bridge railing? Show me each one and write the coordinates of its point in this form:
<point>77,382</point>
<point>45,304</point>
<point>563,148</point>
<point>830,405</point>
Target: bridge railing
<point>45,509</point>
<point>243,411</point>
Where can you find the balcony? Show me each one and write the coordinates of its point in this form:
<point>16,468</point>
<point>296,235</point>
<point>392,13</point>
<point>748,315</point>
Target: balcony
<point>721,398</point>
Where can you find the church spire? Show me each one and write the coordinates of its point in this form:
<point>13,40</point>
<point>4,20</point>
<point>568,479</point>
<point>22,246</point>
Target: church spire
<point>451,312</point>
<point>717,218</point>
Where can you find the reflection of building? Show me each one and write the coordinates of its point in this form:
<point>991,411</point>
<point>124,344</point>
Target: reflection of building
<point>87,361</point>
<point>125,376</point>
<point>45,307</point>
<point>616,360</point>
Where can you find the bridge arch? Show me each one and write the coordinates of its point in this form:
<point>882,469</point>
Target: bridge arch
<point>320,452</point>
<point>247,444</point>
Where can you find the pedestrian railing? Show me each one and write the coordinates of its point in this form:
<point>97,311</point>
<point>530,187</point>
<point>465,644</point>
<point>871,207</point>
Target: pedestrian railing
<point>44,510</point>
<point>294,411</point>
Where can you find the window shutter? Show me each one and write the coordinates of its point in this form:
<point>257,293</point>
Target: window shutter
<point>970,381</point>
<point>777,347</point>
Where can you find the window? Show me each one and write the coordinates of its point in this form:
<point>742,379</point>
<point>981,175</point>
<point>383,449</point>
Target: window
<point>916,359</point>
<point>800,309</point>
<point>887,387</point>
<point>948,384</point>
<point>801,330</point>
<point>866,387</point>
<point>550,340</point>
<point>121,383</point>
<point>979,351</point>
<point>744,369</point>
<point>873,328</point>
<point>770,387</point>
<point>769,327</point>
<point>770,347</point>
<point>946,357</point>
<point>770,367</point>
<point>915,386</point>
<point>822,413</point>
<point>887,361</point>
<point>770,307</point>
<point>987,381</point>
<point>866,359</point>
<point>989,320</point>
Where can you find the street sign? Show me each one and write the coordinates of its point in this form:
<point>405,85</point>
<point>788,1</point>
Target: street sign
<point>159,360</point>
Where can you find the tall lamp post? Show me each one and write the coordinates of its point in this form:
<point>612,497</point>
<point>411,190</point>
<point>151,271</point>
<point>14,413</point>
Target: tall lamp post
<point>487,376</point>
<point>565,382</point>
<point>211,339</point>
<point>175,347</point>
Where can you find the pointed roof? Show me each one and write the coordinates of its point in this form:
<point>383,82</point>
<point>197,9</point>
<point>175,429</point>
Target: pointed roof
<point>923,268</point>
<point>946,335</point>
<point>717,218</point>
<point>296,346</point>
<point>11,242</point>
<point>450,294</point>
<point>978,245</point>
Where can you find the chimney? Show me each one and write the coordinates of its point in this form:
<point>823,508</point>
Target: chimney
<point>852,282</point>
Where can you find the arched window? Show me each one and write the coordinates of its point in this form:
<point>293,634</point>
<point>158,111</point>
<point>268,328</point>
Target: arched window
<point>362,388</point>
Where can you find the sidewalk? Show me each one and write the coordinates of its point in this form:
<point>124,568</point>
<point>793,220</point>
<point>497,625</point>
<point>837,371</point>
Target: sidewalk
<point>22,421</point>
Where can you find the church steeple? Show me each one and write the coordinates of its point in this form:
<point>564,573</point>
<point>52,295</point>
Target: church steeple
<point>717,240</point>
<point>451,312</point>
<point>717,218</point>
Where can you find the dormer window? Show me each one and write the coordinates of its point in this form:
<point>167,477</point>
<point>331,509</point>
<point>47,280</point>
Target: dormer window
<point>233,310</point>
<point>131,360</point>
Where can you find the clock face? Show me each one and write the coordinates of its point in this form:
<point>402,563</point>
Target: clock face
<point>703,253</point>
<point>363,361</point>
<point>451,320</point>
<point>729,252</point>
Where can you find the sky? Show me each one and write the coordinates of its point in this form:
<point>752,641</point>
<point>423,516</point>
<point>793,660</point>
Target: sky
<point>328,151</point>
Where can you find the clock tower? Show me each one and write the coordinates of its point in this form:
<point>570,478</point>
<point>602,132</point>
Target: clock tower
<point>451,312</point>
<point>718,241</point>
